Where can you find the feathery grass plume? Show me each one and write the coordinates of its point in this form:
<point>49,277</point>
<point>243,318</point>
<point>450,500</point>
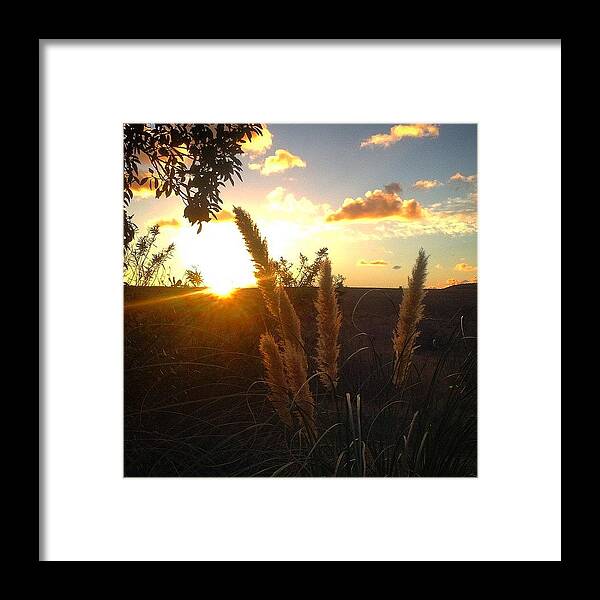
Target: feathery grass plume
<point>267,284</point>
<point>278,303</point>
<point>290,323</point>
<point>255,243</point>
<point>275,377</point>
<point>329,320</point>
<point>264,268</point>
<point>295,365</point>
<point>411,312</point>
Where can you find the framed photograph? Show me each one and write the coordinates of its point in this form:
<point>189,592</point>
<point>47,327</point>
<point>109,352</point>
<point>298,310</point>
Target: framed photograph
<point>300,304</point>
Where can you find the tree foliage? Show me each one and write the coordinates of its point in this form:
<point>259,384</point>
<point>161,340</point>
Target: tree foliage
<point>191,161</point>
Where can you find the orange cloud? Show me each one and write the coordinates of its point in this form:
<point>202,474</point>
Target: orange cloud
<point>282,160</point>
<point>398,132</point>
<point>427,184</point>
<point>224,215</point>
<point>465,268</point>
<point>377,205</point>
<point>372,263</point>
<point>259,144</point>
<point>464,178</point>
<point>168,222</point>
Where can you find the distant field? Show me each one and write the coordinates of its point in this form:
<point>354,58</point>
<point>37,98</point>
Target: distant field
<point>192,370</point>
<point>374,310</point>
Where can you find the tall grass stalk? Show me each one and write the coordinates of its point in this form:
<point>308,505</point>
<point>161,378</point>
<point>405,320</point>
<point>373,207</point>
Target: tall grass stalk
<point>290,353</point>
<point>275,377</point>
<point>290,323</point>
<point>265,270</point>
<point>329,321</point>
<point>295,366</point>
<point>411,313</point>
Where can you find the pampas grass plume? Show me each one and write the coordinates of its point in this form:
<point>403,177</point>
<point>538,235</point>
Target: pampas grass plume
<point>329,320</point>
<point>295,365</point>
<point>275,377</point>
<point>411,313</point>
<point>264,268</point>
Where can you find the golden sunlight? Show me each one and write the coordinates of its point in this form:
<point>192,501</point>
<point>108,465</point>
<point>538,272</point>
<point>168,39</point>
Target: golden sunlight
<point>221,289</point>
<point>220,254</point>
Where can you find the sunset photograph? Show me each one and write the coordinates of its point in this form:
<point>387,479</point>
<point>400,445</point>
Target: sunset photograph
<point>300,300</point>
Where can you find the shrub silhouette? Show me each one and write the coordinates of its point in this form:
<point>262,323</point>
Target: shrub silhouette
<point>143,267</point>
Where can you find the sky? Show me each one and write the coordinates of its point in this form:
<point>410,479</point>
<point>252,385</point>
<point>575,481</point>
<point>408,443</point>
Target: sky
<point>373,194</point>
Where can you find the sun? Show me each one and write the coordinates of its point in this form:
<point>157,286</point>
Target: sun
<point>223,289</point>
<point>220,254</point>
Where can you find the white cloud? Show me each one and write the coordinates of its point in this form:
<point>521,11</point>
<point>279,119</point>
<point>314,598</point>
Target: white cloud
<point>284,204</point>
<point>281,161</point>
<point>259,144</point>
<point>427,184</point>
<point>463,178</point>
<point>398,132</point>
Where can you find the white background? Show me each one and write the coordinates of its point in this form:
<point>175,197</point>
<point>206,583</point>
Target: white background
<point>511,511</point>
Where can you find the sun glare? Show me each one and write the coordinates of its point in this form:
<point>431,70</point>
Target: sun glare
<point>220,254</point>
<point>223,290</point>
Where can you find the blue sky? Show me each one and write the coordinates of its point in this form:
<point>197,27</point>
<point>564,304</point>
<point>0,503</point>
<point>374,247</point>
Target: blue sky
<point>338,167</point>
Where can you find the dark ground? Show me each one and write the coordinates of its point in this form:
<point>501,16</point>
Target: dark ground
<point>192,369</point>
